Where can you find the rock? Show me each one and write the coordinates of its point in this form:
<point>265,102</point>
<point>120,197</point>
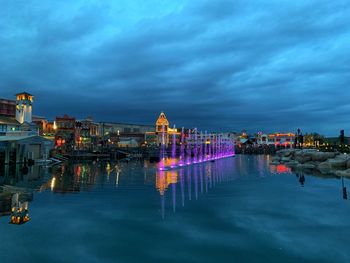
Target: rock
<point>306,166</point>
<point>324,167</point>
<point>322,156</point>
<point>292,163</point>
<point>348,164</point>
<point>285,152</point>
<point>303,159</point>
<point>342,157</point>
<point>337,163</point>
<point>276,159</point>
<point>343,173</point>
<point>285,159</point>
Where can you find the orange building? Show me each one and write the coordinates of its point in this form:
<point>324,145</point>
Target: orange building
<point>163,133</point>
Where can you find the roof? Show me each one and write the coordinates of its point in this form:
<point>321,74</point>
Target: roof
<point>8,120</point>
<point>13,102</point>
<point>122,123</point>
<point>24,93</point>
<point>162,120</point>
<point>19,138</point>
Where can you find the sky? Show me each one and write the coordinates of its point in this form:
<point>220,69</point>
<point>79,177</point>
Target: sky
<point>212,64</point>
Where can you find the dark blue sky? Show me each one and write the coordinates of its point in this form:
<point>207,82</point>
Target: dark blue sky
<point>215,64</point>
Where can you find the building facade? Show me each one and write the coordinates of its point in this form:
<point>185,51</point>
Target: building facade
<point>163,134</point>
<point>123,134</point>
<point>65,133</point>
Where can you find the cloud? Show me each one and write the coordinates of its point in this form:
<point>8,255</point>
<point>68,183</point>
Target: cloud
<point>216,65</point>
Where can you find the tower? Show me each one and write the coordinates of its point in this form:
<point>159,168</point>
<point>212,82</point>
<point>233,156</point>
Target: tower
<point>162,122</point>
<point>24,107</point>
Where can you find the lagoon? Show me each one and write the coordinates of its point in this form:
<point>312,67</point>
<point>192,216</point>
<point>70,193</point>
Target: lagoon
<point>237,209</point>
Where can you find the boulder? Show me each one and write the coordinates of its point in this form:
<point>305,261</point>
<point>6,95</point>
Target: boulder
<point>322,156</point>
<point>276,159</point>
<point>292,163</point>
<point>343,173</point>
<point>306,166</point>
<point>348,164</point>
<point>285,159</point>
<point>285,152</point>
<point>303,159</point>
<point>324,167</point>
<point>342,157</point>
<point>337,163</point>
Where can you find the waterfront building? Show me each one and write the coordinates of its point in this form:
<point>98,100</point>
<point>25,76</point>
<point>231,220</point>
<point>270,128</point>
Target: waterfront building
<point>86,133</point>
<point>163,134</point>
<point>282,139</point>
<point>22,148</point>
<point>46,128</point>
<point>19,139</point>
<point>7,108</point>
<point>65,135</point>
<point>275,139</point>
<point>8,126</point>
<point>16,116</point>
<point>24,107</point>
<point>123,134</point>
<point>8,122</point>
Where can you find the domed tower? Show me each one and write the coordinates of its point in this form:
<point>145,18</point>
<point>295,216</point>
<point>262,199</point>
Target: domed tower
<point>162,122</point>
<point>24,102</point>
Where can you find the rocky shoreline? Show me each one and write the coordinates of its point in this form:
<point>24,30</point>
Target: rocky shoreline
<point>327,163</point>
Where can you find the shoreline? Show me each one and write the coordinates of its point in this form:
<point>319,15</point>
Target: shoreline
<point>326,163</point>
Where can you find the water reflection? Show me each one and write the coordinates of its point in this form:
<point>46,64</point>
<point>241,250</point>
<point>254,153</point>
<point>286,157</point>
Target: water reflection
<point>190,182</point>
<point>175,187</point>
<point>19,210</point>
<point>345,193</point>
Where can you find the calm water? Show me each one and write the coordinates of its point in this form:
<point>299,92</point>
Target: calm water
<point>234,210</point>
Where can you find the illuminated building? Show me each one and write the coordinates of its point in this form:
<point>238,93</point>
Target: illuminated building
<point>16,116</point>
<point>8,122</point>
<point>65,132</point>
<point>46,128</point>
<point>124,134</point>
<point>162,127</point>
<point>86,133</point>
<point>277,139</point>
<point>24,107</point>
<point>281,139</point>
<point>7,108</point>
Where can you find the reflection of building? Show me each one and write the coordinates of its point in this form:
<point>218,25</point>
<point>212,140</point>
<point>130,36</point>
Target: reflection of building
<point>164,179</point>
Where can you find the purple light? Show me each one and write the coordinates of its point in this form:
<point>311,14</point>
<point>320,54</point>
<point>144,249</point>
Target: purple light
<point>196,148</point>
